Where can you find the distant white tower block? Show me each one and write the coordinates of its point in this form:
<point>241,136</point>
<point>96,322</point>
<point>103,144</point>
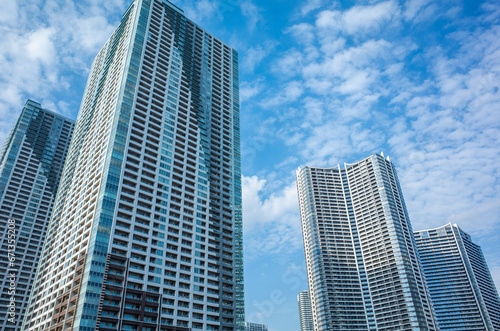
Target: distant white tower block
<point>305,311</point>
<point>249,326</point>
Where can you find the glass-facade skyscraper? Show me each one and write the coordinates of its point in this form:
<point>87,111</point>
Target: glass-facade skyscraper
<point>31,162</point>
<point>460,283</point>
<point>146,232</point>
<point>305,311</point>
<point>361,257</point>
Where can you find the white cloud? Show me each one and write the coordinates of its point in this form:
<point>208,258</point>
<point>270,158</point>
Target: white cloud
<point>315,110</point>
<point>91,33</point>
<point>358,19</point>
<point>252,13</point>
<point>289,93</point>
<point>302,32</point>
<point>271,222</point>
<point>456,136</point>
<point>47,47</point>
<point>202,11</point>
<point>429,13</point>
<point>329,19</point>
<point>290,64</point>
<point>426,11</point>
<point>40,45</point>
<point>206,8</point>
<point>332,44</point>
<point>248,90</point>
<point>356,83</point>
<point>319,86</point>
<point>311,5</point>
<point>431,107</point>
<point>254,55</point>
<point>28,66</point>
<point>413,7</point>
<point>9,11</point>
<point>346,62</point>
<point>493,11</point>
<point>369,19</point>
<point>290,161</point>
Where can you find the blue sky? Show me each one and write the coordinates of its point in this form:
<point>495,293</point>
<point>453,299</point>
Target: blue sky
<point>321,83</point>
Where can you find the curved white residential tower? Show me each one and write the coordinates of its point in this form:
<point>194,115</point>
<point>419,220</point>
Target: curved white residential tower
<point>362,264</point>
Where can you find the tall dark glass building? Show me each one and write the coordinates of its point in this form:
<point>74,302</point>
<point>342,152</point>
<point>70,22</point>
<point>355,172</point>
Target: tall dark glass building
<point>146,232</point>
<point>460,283</point>
<point>362,263</point>
<point>31,162</point>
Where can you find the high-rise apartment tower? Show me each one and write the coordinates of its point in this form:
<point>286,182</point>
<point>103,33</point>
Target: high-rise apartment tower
<point>31,162</point>
<point>305,311</point>
<point>249,326</point>
<point>362,264</point>
<point>462,290</point>
<point>146,232</point>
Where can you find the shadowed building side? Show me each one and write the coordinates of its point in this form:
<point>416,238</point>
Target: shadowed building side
<point>460,283</point>
<point>31,163</point>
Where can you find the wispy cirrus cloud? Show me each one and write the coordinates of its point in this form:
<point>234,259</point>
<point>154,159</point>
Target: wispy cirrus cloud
<point>252,13</point>
<point>272,223</point>
<point>311,5</point>
<point>360,81</point>
<point>359,21</point>
<point>254,55</point>
<point>202,11</point>
<point>290,92</point>
<point>249,90</point>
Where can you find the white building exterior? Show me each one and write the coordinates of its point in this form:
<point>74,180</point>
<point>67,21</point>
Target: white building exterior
<point>146,232</point>
<point>461,287</point>
<point>362,264</point>
<point>249,326</point>
<point>305,311</point>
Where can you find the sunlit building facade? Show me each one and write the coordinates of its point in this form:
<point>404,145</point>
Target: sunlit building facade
<point>461,287</point>
<point>146,232</point>
<point>361,257</point>
<point>31,163</point>
<point>249,326</point>
<point>305,312</point>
